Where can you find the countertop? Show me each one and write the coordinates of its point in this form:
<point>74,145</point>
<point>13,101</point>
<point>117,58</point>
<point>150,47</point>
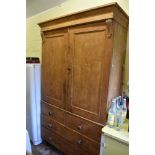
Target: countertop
<point>121,135</point>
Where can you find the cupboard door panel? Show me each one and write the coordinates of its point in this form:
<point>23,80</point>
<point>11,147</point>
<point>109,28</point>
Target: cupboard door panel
<point>88,75</point>
<point>55,48</point>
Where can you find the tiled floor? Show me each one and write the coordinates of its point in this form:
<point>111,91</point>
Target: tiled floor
<point>45,149</point>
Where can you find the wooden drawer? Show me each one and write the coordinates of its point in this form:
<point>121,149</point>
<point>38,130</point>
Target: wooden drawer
<point>88,145</point>
<point>61,143</point>
<point>52,112</point>
<point>83,126</point>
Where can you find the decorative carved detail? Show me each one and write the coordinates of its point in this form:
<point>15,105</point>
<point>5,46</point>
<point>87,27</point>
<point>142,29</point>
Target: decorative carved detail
<point>109,28</point>
<point>42,36</point>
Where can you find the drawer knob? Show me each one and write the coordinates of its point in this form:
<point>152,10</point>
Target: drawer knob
<point>79,142</point>
<point>51,113</point>
<point>80,127</point>
<point>50,138</point>
<point>50,125</point>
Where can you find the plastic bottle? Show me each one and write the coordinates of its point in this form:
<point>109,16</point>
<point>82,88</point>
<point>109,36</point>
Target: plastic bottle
<point>124,112</point>
<point>119,100</point>
<point>119,118</point>
<point>112,114</point>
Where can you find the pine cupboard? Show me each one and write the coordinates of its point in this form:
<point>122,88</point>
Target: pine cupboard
<point>82,64</point>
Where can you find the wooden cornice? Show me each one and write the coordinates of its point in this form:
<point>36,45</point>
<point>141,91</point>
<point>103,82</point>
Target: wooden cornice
<point>109,11</point>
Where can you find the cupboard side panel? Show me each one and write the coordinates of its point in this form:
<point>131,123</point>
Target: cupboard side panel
<point>118,58</point>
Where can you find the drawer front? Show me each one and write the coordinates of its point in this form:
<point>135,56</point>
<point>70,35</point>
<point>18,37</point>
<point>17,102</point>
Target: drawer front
<point>52,112</point>
<point>61,143</point>
<point>73,137</point>
<point>85,127</point>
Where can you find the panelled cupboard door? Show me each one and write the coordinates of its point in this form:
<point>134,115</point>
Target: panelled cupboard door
<point>88,75</point>
<point>55,48</point>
